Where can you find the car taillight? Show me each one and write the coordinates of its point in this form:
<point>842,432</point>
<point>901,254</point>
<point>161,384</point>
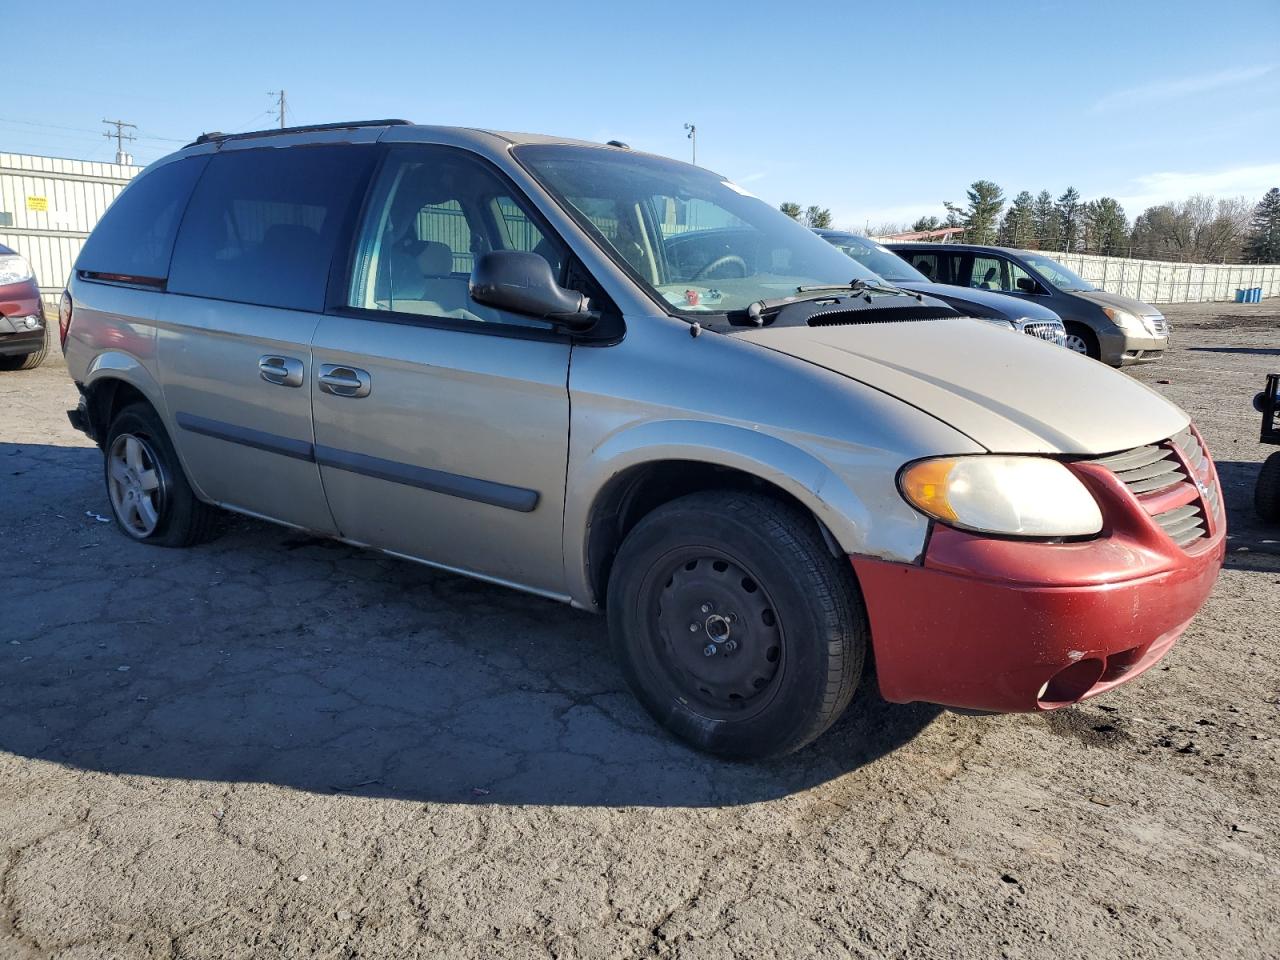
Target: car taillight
<point>64,319</point>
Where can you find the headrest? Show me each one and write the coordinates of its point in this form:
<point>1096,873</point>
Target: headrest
<point>435,259</point>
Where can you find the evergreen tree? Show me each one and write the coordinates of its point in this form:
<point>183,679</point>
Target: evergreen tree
<point>981,220</point>
<point>926,223</point>
<point>1069,217</point>
<point>1106,228</point>
<point>1044,220</point>
<point>1018,226</point>
<point>1264,229</point>
<point>819,217</point>
<point>792,210</point>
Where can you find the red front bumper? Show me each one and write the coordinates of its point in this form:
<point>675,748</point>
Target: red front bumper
<point>1010,625</point>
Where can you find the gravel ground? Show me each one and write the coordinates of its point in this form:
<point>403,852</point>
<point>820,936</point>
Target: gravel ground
<point>277,746</point>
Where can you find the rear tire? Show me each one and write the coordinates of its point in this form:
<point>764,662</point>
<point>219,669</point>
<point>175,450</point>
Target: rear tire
<point>1080,339</point>
<point>1266,495</point>
<point>734,625</point>
<point>150,498</point>
<point>27,361</point>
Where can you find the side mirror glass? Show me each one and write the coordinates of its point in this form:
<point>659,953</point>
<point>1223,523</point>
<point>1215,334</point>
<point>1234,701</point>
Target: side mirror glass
<point>1027,285</point>
<point>523,283</point>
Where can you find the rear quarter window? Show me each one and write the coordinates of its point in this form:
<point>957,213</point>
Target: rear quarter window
<point>264,225</point>
<point>134,239</point>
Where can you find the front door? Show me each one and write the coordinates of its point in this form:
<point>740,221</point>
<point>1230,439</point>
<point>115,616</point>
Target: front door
<point>442,426</point>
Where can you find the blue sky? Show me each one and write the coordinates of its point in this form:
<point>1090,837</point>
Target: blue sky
<point>879,111</point>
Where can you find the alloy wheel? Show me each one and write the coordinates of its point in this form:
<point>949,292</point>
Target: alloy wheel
<point>1076,343</point>
<point>135,484</point>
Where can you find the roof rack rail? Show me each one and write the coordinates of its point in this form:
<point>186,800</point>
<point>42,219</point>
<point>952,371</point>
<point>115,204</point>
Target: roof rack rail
<point>216,137</point>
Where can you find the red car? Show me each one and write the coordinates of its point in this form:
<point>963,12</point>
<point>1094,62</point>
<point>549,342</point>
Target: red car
<point>23,339</point>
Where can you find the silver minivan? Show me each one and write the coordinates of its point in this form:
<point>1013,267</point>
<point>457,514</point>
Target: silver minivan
<point>626,383</point>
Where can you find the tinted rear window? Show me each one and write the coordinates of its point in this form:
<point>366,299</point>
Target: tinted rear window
<point>134,238</point>
<point>263,225</point>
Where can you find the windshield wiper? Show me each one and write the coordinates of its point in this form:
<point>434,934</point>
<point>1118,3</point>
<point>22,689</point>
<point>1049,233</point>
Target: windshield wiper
<point>757,311</point>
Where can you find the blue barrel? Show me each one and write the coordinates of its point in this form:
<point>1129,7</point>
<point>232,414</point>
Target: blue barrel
<point>1240,296</point>
<point>1257,295</point>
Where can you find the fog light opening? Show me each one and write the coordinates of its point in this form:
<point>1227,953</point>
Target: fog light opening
<point>1071,683</point>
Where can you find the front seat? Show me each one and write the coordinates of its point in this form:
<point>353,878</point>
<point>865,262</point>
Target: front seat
<point>422,280</point>
<point>988,279</point>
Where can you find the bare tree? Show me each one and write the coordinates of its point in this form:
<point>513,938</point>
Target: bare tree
<point>1199,228</point>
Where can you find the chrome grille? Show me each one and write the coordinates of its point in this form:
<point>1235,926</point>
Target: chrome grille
<point>1046,330</point>
<point>1150,471</point>
<point>1159,324</point>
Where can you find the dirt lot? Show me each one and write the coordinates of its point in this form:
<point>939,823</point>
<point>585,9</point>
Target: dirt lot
<point>273,746</point>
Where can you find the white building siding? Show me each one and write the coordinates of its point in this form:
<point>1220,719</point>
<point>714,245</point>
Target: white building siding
<point>74,193</point>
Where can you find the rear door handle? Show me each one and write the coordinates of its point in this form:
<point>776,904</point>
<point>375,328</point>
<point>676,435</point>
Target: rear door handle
<point>286,371</point>
<point>342,381</point>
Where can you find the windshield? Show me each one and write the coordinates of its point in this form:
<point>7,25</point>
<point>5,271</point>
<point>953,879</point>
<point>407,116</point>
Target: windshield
<point>696,241</point>
<point>874,257</point>
<point>1056,273</point>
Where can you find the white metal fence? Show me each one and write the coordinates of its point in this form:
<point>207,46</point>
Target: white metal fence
<point>1159,281</point>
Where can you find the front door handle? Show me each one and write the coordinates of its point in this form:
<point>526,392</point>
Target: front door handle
<point>342,381</point>
<point>286,371</point>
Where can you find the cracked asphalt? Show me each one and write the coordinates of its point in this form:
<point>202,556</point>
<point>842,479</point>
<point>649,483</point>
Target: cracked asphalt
<point>273,746</point>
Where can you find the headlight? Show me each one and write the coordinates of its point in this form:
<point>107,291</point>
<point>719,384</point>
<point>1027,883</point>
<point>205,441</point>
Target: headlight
<point>13,269</point>
<point>1129,322</point>
<point>1013,496</point>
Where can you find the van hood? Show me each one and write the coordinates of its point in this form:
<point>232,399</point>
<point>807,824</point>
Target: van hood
<point>1010,394</point>
<point>1104,299</point>
<point>981,303</point>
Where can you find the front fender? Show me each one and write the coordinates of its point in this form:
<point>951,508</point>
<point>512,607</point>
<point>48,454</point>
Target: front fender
<point>850,517</point>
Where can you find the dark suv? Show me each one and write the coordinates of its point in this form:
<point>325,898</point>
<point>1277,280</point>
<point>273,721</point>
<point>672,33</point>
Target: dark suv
<point>1108,327</point>
<point>1022,316</point>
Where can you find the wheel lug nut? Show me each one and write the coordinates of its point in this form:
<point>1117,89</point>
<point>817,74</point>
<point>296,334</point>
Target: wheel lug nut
<point>693,628</point>
<point>730,646</point>
<point>709,650</point>
<point>706,608</point>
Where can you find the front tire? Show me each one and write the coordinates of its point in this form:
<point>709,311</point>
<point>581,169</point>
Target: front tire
<point>1266,495</point>
<point>734,625</point>
<point>1080,339</point>
<point>151,500</point>
<point>27,361</point>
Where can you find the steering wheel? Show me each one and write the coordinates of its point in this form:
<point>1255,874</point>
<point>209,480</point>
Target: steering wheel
<point>723,261</point>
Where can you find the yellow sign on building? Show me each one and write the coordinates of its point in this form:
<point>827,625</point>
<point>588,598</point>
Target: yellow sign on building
<point>38,204</point>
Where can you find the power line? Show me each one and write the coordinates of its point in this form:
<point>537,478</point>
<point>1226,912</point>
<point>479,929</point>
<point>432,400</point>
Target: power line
<point>281,107</point>
<point>121,137</point>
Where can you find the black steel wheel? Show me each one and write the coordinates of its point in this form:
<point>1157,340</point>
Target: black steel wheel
<point>720,642</point>
<point>734,625</point>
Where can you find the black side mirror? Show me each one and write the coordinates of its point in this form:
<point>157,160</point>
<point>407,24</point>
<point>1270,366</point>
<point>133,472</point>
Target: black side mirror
<point>523,283</point>
<point>1027,285</point>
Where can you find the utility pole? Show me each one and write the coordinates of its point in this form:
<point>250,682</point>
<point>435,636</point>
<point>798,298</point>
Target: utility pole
<point>693,135</point>
<point>280,104</point>
<point>120,137</point>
